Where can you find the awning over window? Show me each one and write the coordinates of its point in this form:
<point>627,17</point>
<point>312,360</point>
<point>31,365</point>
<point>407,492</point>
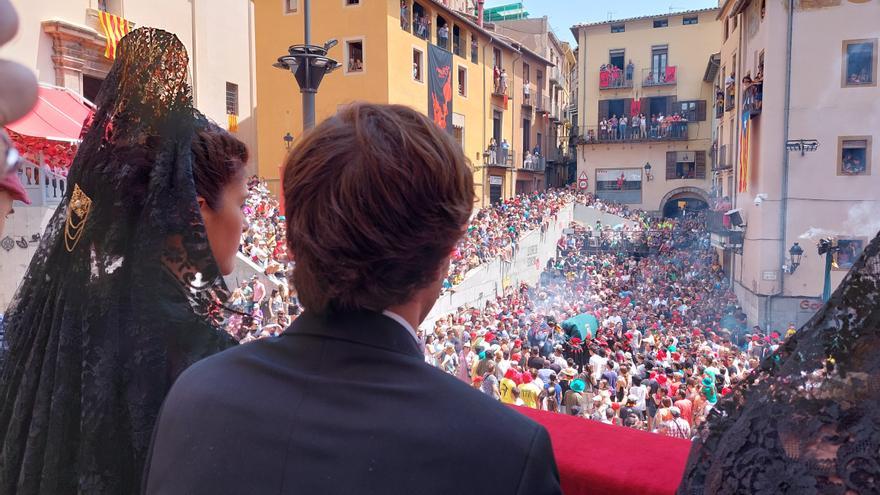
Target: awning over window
<point>59,115</point>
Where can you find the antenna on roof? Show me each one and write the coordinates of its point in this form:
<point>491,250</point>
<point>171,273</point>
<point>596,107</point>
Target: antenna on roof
<point>611,14</point>
<point>672,8</point>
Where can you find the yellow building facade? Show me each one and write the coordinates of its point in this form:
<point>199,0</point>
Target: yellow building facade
<point>654,66</point>
<point>383,49</point>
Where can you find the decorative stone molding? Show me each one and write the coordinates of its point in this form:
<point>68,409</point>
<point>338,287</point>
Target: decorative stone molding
<point>77,50</point>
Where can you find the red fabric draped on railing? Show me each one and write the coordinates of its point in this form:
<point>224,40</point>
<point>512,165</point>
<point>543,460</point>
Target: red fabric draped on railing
<point>595,458</point>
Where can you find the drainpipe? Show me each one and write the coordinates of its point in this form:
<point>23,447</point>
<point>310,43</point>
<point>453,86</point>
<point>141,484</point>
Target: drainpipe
<point>512,79</point>
<point>783,206</point>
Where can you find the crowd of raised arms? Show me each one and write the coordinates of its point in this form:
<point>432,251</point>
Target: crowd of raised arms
<point>668,336</point>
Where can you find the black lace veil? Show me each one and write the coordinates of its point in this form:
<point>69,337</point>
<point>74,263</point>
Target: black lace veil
<point>117,299</point>
<point>808,419</point>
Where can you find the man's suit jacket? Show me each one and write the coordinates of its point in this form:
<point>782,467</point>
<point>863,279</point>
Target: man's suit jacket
<point>339,405</point>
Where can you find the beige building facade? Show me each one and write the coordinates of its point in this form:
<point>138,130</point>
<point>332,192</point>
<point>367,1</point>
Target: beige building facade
<point>63,42</point>
<point>653,67</point>
<point>796,155</point>
<point>537,35</point>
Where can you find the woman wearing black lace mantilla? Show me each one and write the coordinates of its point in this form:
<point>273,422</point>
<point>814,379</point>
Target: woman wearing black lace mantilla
<point>807,420</point>
<point>119,297</point>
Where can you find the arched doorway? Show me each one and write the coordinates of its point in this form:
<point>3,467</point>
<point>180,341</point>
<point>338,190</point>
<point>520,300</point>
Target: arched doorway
<point>682,200</point>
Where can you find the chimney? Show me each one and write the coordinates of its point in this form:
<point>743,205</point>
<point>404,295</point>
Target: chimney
<point>480,12</point>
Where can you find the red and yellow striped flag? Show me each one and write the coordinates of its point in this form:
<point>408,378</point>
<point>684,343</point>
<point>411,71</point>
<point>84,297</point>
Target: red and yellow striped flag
<point>115,28</point>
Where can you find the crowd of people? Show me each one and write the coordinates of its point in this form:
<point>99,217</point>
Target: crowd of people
<point>639,126</point>
<point>670,338</point>
<point>495,229</point>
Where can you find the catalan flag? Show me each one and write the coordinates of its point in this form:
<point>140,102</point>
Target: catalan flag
<point>744,154</point>
<point>115,28</point>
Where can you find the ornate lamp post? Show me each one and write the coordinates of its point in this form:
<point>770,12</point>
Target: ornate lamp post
<point>309,64</point>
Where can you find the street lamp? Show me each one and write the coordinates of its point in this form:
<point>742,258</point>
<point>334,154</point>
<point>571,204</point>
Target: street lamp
<point>796,252</point>
<point>648,171</point>
<point>288,139</point>
<point>827,247</point>
<point>309,64</point>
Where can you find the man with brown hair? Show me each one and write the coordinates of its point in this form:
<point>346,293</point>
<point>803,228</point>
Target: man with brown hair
<point>376,198</point>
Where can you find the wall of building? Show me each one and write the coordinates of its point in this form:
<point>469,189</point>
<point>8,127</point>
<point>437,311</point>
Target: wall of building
<point>820,202</point>
<point>222,46</point>
<point>280,111</point>
<point>689,49</point>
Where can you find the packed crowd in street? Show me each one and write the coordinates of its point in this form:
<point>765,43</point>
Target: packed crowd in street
<point>668,337</point>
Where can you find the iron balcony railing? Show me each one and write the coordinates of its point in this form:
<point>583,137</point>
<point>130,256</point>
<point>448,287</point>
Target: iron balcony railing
<point>660,76</point>
<point>672,131</point>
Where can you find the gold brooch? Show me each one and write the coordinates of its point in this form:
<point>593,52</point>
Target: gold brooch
<point>80,206</point>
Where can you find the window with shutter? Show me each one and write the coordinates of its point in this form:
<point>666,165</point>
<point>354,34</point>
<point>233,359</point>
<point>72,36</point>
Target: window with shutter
<point>603,109</point>
<point>701,110</point>
<point>670,165</point>
<point>701,164</point>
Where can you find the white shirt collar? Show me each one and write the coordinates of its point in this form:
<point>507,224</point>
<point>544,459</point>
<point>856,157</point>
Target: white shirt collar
<point>405,324</point>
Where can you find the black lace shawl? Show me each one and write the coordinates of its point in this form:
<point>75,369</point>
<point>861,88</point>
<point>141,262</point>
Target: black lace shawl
<point>808,420</point>
<point>96,335</point>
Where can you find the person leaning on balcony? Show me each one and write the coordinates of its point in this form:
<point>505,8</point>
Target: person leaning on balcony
<point>622,126</point>
<point>630,69</point>
<point>634,134</point>
<point>612,126</point>
<point>496,78</point>
<point>504,81</point>
<point>643,126</point>
<point>356,343</point>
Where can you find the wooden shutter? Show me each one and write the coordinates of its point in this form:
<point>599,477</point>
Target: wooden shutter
<point>627,105</point>
<point>671,104</point>
<point>701,110</point>
<point>701,164</point>
<point>670,165</point>
<point>603,110</point>
<point>645,103</point>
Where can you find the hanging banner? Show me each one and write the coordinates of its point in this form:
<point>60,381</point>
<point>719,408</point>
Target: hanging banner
<point>744,154</point>
<point>440,87</point>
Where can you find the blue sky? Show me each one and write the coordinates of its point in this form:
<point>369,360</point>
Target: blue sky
<point>565,13</point>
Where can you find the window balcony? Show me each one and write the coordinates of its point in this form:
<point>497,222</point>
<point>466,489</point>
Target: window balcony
<point>671,131</point>
<point>501,90</point>
<point>534,163</point>
<point>499,158</point>
<point>611,77</point>
<point>661,76</point>
<point>730,98</point>
<point>527,98</point>
<point>753,98</point>
<point>542,103</point>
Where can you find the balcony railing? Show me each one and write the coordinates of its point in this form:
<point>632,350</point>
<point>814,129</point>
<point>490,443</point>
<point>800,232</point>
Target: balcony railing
<point>542,103</point>
<point>753,99</point>
<point>43,186</point>
<point>717,223</point>
<point>723,161</point>
<point>660,76</point>
<point>611,77</point>
<point>500,157</point>
<point>527,96</point>
<point>730,98</point>
<point>420,26</point>
<point>534,163</point>
<point>501,90</point>
<point>672,131</point>
<point>557,76</point>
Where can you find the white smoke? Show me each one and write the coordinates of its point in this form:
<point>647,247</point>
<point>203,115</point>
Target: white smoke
<point>863,220</point>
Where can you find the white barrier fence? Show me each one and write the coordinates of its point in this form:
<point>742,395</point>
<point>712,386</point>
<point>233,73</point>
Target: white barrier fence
<point>489,280</point>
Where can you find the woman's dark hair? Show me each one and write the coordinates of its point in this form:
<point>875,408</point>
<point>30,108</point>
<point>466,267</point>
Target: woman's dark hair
<point>217,158</point>
<point>376,198</point>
